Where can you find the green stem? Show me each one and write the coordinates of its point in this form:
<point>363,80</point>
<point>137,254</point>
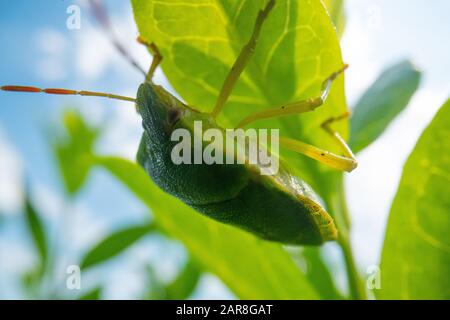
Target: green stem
<point>355,283</point>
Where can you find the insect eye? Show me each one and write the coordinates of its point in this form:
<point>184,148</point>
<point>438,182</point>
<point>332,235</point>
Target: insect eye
<point>173,115</point>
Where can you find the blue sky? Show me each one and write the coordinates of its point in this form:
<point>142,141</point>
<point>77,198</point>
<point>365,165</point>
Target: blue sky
<point>37,48</point>
<point>380,33</point>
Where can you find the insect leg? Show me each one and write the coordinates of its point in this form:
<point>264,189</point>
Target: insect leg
<point>101,16</point>
<point>295,107</point>
<point>346,162</point>
<point>242,60</point>
<point>157,57</point>
<point>326,125</point>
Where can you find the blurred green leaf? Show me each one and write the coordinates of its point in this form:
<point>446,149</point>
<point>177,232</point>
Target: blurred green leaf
<point>319,275</point>
<point>185,283</point>
<point>252,268</point>
<point>336,9</point>
<point>382,102</point>
<point>73,152</point>
<point>114,244</point>
<point>180,288</point>
<point>416,253</point>
<point>155,287</point>
<point>37,231</point>
<point>297,50</point>
<point>94,294</point>
<point>30,280</point>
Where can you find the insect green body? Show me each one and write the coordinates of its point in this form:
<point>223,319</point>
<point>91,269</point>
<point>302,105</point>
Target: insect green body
<point>279,208</point>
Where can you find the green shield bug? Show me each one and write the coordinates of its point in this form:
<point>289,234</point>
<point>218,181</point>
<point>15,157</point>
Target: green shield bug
<point>278,207</point>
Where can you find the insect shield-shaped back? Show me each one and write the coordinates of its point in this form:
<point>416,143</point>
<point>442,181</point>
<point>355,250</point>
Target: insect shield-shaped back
<point>277,207</point>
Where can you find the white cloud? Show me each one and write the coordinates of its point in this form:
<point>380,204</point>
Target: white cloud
<point>11,177</point>
<point>95,53</point>
<point>88,227</point>
<point>211,288</point>
<point>123,133</point>
<point>15,258</point>
<point>74,222</point>
<point>51,61</point>
<point>50,204</point>
<point>359,52</point>
<point>89,51</point>
<point>126,283</point>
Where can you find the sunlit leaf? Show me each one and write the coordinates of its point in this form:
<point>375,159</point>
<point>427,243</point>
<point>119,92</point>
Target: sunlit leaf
<point>252,268</point>
<point>382,102</point>
<point>336,9</point>
<point>114,244</point>
<point>416,254</point>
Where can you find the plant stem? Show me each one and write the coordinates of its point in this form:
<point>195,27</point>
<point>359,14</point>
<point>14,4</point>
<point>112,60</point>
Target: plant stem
<point>355,283</point>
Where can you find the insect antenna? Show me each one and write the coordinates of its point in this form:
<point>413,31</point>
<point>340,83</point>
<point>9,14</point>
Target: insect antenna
<point>100,14</point>
<point>66,92</point>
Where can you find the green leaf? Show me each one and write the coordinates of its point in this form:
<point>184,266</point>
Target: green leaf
<point>114,244</point>
<point>155,288</point>
<point>382,102</point>
<point>37,231</point>
<point>94,294</point>
<point>297,50</point>
<point>31,281</point>
<point>416,254</point>
<point>252,268</point>
<point>336,9</point>
<point>73,152</point>
<point>185,283</point>
<point>318,274</point>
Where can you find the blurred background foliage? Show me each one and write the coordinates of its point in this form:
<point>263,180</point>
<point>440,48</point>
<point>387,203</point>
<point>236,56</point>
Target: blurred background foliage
<point>73,152</point>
